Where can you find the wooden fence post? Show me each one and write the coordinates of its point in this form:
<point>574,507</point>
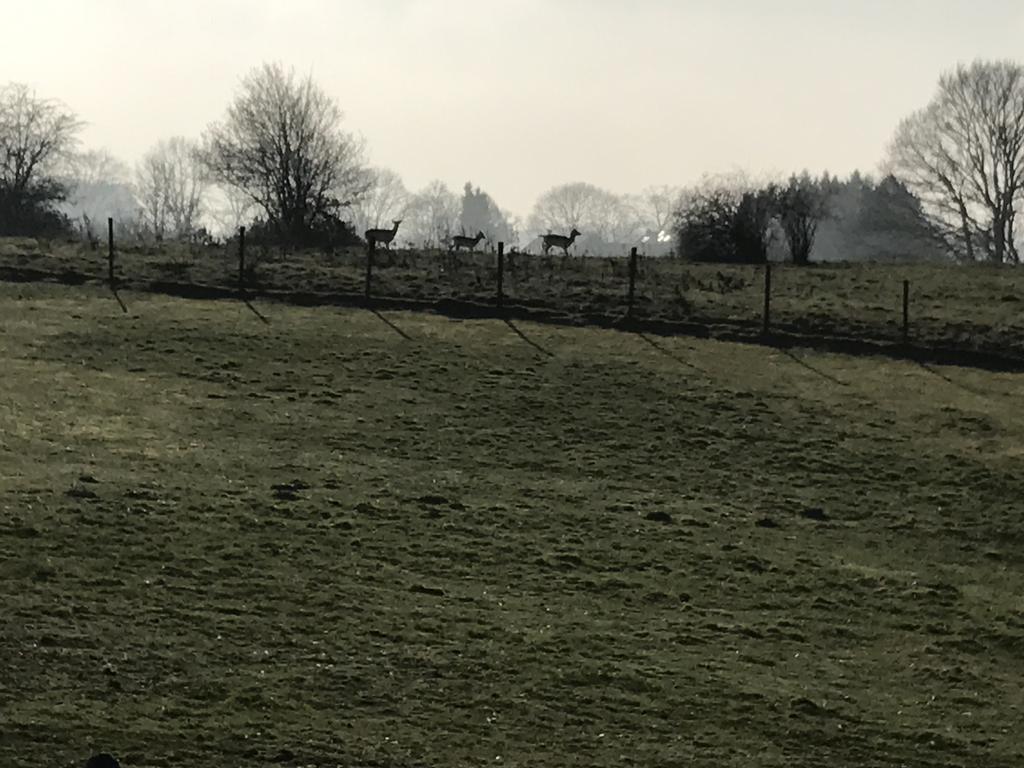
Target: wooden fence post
<point>110,251</point>
<point>501,274</point>
<point>241,259</point>
<point>906,311</point>
<point>632,282</point>
<point>767,323</point>
<point>371,248</point>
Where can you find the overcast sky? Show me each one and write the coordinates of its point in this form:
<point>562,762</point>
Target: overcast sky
<point>520,95</point>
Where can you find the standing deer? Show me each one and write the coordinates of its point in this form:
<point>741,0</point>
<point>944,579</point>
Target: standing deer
<point>385,236</point>
<point>464,241</point>
<point>560,241</point>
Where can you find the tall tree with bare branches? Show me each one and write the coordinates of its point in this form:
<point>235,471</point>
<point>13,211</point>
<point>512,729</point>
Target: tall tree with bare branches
<point>36,136</point>
<point>385,200</point>
<point>282,142</point>
<point>171,185</point>
<point>963,156</point>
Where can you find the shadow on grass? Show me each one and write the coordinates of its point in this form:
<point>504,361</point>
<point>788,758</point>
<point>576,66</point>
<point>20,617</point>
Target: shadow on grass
<point>117,296</point>
<point>953,382</point>
<point>817,371</point>
<point>256,312</point>
<point>528,340</point>
<point>391,325</point>
<point>671,355</point>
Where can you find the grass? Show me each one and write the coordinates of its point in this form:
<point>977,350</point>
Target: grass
<point>348,538</point>
<point>972,308</point>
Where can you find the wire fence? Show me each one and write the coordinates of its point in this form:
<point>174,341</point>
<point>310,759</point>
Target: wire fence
<point>972,310</point>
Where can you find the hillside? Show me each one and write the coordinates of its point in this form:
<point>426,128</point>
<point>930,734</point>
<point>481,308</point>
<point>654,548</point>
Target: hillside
<point>394,539</point>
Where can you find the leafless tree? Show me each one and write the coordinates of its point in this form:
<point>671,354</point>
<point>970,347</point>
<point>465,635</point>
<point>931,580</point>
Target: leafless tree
<point>384,201</point>
<point>170,184</point>
<point>432,216</point>
<point>227,209</point>
<point>608,222</point>
<point>36,137</point>
<point>282,143</point>
<point>95,166</point>
<point>963,156</point>
<point>656,206</point>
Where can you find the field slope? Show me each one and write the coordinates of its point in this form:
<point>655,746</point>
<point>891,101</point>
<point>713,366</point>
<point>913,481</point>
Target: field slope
<point>343,538</point>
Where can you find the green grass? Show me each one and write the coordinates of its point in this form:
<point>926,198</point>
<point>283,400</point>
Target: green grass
<point>976,307</point>
<point>320,543</point>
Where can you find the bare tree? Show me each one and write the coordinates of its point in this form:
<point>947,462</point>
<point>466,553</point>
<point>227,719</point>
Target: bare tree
<point>568,206</point>
<point>227,209</point>
<point>170,184</point>
<point>608,222</point>
<point>95,166</point>
<point>963,156</point>
<point>384,201</point>
<point>656,207</point>
<point>432,216</point>
<point>36,136</point>
<point>282,143</point>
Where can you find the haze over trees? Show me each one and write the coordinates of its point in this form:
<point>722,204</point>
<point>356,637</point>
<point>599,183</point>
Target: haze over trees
<point>385,201</point>
<point>282,161</point>
<point>171,185</point>
<point>481,214</point>
<point>98,186</point>
<point>962,156</point>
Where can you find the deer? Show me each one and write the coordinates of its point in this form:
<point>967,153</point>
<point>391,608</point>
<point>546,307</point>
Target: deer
<point>385,236</point>
<point>560,241</point>
<point>469,243</point>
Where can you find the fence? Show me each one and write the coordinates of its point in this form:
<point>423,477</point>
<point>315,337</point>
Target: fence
<point>969,310</point>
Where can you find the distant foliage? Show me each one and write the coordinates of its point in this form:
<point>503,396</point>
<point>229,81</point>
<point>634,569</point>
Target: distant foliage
<point>883,221</point>
<point>385,201</point>
<point>171,187</point>
<point>609,223</point>
<point>727,221</point>
<point>801,206</point>
<point>731,219</point>
<point>98,187</point>
<point>481,214</point>
<point>36,136</point>
<point>432,217</point>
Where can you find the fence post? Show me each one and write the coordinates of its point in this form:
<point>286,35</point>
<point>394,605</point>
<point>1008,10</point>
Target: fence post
<point>501,274</point>
<point>906,311</point>
<point>110,251</point>
<point>766,327</point>
<point>371,248</point>
<point>632,282</point>
<point>241,259</point>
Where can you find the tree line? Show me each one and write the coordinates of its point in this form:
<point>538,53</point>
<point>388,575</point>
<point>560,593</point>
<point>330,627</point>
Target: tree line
<point>281,162</point>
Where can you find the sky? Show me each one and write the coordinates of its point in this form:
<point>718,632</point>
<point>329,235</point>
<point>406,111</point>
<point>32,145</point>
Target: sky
<point>518,96</point>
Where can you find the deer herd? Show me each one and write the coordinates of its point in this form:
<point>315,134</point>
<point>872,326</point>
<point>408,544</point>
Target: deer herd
<point>375,237</point>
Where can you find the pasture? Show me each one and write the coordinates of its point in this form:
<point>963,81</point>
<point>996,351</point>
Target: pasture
<point>347,538</point>
<point>969,307</point>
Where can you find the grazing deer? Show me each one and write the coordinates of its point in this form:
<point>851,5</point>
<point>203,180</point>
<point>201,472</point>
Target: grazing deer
<point>464,241</point>
<point>560,241</point>
<point>385,236</point>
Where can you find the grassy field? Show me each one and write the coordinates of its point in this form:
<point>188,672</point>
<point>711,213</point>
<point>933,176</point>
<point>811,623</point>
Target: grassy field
<point>343,538</point>
<point>975,308</point>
